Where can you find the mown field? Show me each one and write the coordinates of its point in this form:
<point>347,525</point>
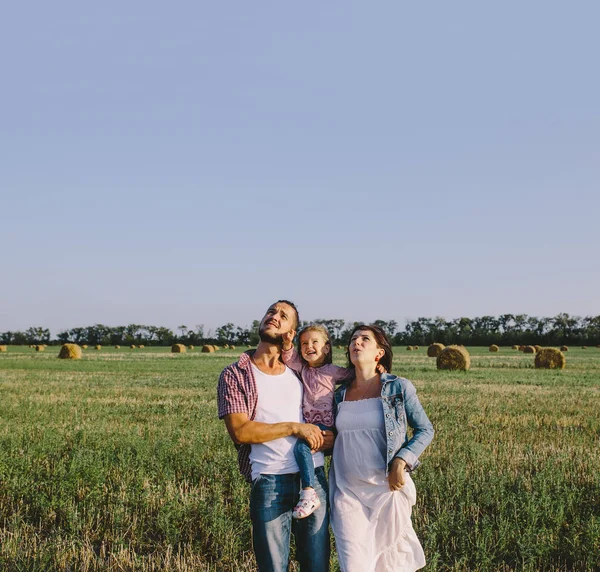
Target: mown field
<point>118,462</point>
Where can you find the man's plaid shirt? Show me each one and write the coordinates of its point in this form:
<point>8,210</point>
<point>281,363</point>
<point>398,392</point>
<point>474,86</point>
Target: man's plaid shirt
<point>237,393</point>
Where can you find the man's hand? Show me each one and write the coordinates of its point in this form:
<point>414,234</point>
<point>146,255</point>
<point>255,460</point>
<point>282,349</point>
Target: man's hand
<point>396,474</point>
<point>310,433</point>
<point>288,339</point>
<point>328,439</point>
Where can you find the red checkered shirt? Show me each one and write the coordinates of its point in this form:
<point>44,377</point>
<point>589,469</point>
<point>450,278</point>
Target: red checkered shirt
<point>237,393</point>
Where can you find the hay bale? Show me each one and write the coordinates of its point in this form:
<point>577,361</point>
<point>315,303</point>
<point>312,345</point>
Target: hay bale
<point>141,346</point>
<point>84,346</point>
<point>70,351</point>
<point>97,347</point>
<point>521,348</point>
<point>217,348</point>
<point>190,347</point>
<point>178,349</point>
<point>231,347</point>
<point>550,358</point>
<point>3,348</point>
<point>207,349</point>
<point>454,358</point>
<point>133,346</point>
<point>434,350</point>
<point>409,348</point>
<point>564,349</point>
<point>416,348</point>
<point>537,348</point>
<point>494,348</point>
<point>40,348</point>
<point>515,347</point>
<point>584,347</point>
<point>117,347</point>
<point>529,350</point>
<point>225,346</point>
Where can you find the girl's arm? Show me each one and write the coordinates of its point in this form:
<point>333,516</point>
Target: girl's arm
<point>289,355</point>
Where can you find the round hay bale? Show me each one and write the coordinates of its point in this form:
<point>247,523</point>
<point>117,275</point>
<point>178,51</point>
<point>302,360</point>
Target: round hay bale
<point>117,347</point>
<point>415,348</point>
<point>564,349</point>
<point>97,347</point>
<point>3,348</point>
<point>70,351</point>
<point>550,358</point>
<point>178,349</point>
<point>584,347</point>
<point>208,349</point>
<point>454,358</point>
<point>515,347</point>
<point>521,348</point>
<point>537,348</point>
<point>494,348</point>
<point>190,347</point>
<point>84,347</point>
<point>225,346</point>
<point>434,350</point>
<point>133,346</point>
<point>141,346</point>
<point>231,347</point>
<point>529,350</point>
<point>409,348</point>
<point>216,348</point>
<point>40,348</point>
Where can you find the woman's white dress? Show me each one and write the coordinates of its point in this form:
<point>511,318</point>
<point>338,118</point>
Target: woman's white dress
<point>371,524</point>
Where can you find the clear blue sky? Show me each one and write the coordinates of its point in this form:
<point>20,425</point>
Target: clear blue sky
<point>190,162</point>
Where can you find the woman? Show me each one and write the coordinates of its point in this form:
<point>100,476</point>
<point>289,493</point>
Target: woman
<point>371,491</point>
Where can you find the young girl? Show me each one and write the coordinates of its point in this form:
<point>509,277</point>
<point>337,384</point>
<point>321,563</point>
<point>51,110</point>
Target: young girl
<point>319,377</point>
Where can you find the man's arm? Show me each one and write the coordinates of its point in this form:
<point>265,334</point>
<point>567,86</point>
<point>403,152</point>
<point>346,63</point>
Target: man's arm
<point>244,431</point>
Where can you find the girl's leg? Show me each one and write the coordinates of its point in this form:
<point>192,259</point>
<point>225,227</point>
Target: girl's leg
<point>305,463</point>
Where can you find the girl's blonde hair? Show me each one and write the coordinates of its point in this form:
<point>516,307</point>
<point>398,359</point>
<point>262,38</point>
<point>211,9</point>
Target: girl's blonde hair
<point>320,330</point>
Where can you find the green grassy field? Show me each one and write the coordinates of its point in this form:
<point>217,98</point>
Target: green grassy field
<point>118,462</point>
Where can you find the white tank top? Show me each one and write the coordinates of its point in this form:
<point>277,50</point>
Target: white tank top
<point>279,399</point>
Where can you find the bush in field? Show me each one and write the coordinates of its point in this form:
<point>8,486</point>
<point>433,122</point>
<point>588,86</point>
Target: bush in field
<point>454,358</point>
<point>494,348</point>
<point>434,350</point>
<point>178,349</point>
<point>550,358</point>
<point>70,351</point>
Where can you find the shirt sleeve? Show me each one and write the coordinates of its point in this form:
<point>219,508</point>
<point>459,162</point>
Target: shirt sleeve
<point>339,374</point>
<point>230,396</point>
<point>292,359</point>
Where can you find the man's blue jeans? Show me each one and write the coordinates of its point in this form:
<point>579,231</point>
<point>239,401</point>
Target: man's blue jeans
<point>272,500</point>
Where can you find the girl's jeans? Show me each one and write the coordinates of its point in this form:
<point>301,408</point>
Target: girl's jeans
<point>305,460</point>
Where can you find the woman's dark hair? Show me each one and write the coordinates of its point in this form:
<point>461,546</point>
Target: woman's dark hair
<point>382,341</point>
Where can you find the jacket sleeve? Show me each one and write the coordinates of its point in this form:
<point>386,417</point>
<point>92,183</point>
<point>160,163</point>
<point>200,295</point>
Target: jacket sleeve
<point>422,428</point>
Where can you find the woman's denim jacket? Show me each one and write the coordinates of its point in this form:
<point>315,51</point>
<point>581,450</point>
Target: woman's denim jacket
<point>401,408</point>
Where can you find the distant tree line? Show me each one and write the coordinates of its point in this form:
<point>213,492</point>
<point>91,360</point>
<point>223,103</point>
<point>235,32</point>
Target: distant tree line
<point>507,329</point>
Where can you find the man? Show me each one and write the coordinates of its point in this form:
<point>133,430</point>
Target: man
<point>260,400</point>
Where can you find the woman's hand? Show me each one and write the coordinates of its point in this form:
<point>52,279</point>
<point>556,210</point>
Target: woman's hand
<point>396,474</point>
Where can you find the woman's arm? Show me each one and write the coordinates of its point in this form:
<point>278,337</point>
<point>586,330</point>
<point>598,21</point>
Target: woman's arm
<point>422,428</point>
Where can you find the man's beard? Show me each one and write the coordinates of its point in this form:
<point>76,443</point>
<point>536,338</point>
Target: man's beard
<point>276,339</point>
